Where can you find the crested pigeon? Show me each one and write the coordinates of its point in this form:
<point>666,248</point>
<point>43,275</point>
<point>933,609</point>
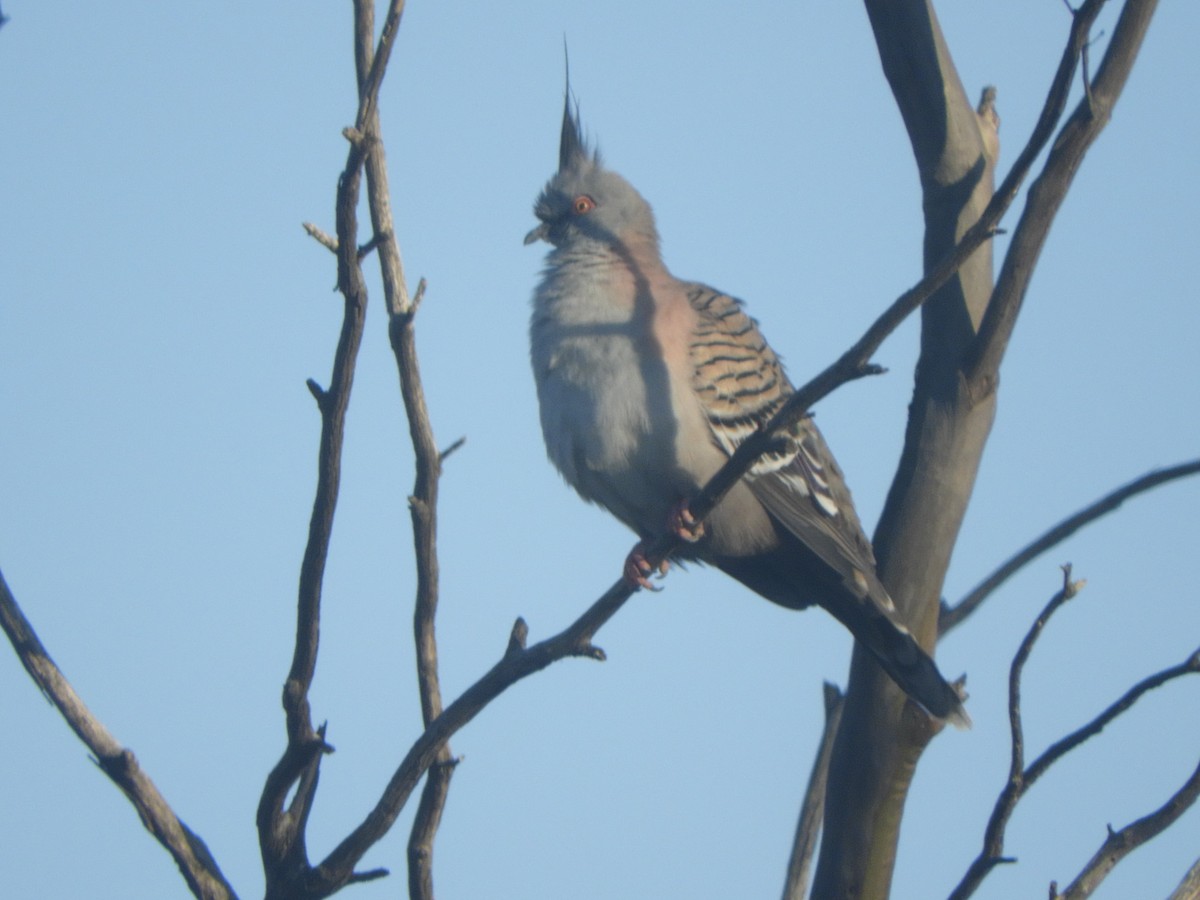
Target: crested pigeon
<point>646,385</point>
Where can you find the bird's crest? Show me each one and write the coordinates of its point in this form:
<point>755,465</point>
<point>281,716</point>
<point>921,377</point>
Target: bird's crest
<point>572,147</point>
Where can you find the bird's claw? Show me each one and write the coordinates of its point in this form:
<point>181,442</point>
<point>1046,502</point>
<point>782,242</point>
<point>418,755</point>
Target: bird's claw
<point>638,570</point>
<point>683,524</point>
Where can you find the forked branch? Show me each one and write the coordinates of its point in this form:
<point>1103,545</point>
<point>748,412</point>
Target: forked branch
<point>576,640</point>
<point>282,821</point>
<point>1047,192</point>
<point>1021,777</point>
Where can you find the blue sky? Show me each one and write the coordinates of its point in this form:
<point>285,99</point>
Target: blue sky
<point>160,309</point>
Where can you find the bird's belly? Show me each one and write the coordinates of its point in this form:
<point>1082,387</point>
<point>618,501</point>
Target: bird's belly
<point>617,435</point>
<point>610,427</point>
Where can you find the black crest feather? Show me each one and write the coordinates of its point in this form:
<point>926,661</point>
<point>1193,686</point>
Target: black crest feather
<point>572,148</point>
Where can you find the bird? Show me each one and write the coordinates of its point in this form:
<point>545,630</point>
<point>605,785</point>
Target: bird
<point>647,383</point>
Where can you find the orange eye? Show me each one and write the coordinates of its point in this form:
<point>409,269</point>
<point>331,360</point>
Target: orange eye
<point>583,204</point>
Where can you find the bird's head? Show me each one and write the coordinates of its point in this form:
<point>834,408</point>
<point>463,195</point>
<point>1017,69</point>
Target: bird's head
<point>586,203</point>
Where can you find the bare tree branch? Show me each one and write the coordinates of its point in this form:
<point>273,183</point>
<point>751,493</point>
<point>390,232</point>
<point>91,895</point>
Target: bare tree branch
<point>1021,778</point>
<point>427,458</point>
<point>808,829</point>
<point>1064,745</point>
<point>327,241</point>
<point>423,508</point>
<point>281,825</point>
<point>575,640</point>
<point>854,363</point>
<point>879,744</point>
<point>190,853</point>
<point>954,615</point>
<point>993,842</point>
<point>882,737</point>
<point>1189,888</point>
<point>1047,192</point>
<point>1119,844</point>
<point>425,826</point>
<point>517,663</point>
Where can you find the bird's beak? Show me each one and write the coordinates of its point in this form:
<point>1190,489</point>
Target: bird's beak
<point>538,234</point>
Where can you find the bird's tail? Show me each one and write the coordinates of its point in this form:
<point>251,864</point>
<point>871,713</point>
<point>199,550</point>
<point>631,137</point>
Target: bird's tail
<point>898,652</point>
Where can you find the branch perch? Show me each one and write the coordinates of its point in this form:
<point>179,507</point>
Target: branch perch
<point>964,338</point>
<point>576,640</point>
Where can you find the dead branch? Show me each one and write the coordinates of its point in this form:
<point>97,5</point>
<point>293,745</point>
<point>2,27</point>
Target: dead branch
<point>855,362</point>
<point>993,842</point>
<point>1047,192</point>
<point>808,829</point>
<point>281,825</point>
<point>1021,778</point>
<point>954,615</point>
<point>423,508</point>
<point>1119,844</point>
<point>1189,888</point>
<point>576,640</point>
<point>327,241</point>
<point>881,739</point>
<point>190,853</point>
<point>1064,745</point>
<point>427,459</point>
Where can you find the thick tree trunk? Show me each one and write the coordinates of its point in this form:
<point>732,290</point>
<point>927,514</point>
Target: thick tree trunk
<point>881,739</point>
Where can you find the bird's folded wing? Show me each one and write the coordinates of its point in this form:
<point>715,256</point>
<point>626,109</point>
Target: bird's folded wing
<point>740,383</point>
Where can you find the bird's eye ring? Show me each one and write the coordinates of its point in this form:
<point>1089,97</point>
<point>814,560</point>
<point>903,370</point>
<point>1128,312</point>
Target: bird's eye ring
<point>583,204</point>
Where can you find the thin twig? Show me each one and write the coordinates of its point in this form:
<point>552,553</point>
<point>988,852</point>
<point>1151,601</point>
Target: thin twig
<point>371,78</point>
<point>1119,844</point>
<point>327,241</point>
<point>1000,318</point>
<point>808,828</point>
<point>993,840</point>
<point>1021,778</point>
<point>954,615</point>
<point>457,445</point>
<point>854,363</point>
<point>427,461</point>
<point>190,853</point>
<point>1066,744</point>
<point>423,509</point>
<point>1046,193</point>
<point>281,823</point>
<point>376,239</point>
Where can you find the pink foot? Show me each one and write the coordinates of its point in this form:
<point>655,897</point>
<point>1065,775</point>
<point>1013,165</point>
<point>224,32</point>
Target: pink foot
<point>682,524</point>
<point>638,570</point>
